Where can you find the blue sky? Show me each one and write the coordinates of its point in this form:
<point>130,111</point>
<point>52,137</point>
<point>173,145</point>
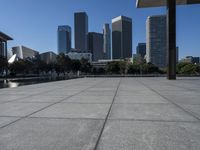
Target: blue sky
<point>33,23</point>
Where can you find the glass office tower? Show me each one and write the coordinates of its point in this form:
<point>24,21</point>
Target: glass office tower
<point>64,39</point>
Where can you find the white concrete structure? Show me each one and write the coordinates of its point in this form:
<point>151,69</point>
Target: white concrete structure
<point>12,59</point>
<point>23,52</point>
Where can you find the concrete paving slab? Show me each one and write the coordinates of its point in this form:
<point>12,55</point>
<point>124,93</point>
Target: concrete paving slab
<point>97,93</point>
<point>140,119</point>
<point>140,99</point>
<point>133,135</point>
<point>50,134</point>
<point>59,93</point>
<point>69,110</point>
<point>23,92</point>
<point>136,93</point>
<point>162,112</point>
<point>89,99</point>
<point>41,99</point>
<point>6,120</point>
<point>20,109</point>
<point>6,98</point>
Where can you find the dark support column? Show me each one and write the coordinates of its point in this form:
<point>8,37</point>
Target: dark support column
<point>171,39</point>
<point>6,55</point>
<point>1,48</point>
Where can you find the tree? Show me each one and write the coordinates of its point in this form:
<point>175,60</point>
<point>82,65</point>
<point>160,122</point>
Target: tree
<point>150,68</point>
<point>133,68</point>
<point>76,65</point>
<point>22,67</point>
<point>123,67</point>
<point>189,69</point>
<point>64,63</point>
<point>180,65</point>
<point>85,66</point>
<point>113,67</point>
<point>101,70</point>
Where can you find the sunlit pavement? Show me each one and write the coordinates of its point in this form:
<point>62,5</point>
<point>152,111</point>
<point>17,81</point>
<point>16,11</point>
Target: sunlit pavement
<point>102,114</point>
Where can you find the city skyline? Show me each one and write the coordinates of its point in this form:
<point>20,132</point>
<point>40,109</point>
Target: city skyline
<point>24,31</point>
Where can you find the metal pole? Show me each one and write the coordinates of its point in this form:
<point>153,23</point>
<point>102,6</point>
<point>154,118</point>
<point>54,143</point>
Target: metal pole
<point>171,39</point>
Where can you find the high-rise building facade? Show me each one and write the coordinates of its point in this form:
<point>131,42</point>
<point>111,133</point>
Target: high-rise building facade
<point>107,41</point>
<point>95,45</point>
<point>156,36</point>
<point>81,31</point>
<point>141,50</point>
<point>121,37</point>
<point>64,39</point>
<point>48,57</point>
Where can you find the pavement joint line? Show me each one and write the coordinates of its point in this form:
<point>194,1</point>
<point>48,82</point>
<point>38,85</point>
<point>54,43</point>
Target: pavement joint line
<point>84,103</point>
<point>132,103</point>
<point>149,120</point>
<point>63,102</point>
<point>107,116</point>
<point>111,119</point>
<point>65,118</point>
<point>23,102</point>
<point>51,105</point>
<point>175,104</point>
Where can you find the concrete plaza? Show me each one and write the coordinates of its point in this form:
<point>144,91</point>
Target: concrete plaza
<point>102,114</point>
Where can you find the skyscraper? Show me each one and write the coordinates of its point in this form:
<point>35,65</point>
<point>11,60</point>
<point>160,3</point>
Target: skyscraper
<point>141,49</point>
<point>106,41</point>
<point>156,40</point>
<point>95,45</point>
<point>64,39</point>
<point>121,37</point>
<point>81,31</point>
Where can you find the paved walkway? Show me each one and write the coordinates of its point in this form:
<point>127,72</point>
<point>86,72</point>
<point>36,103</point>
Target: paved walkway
<point>102,114</point>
